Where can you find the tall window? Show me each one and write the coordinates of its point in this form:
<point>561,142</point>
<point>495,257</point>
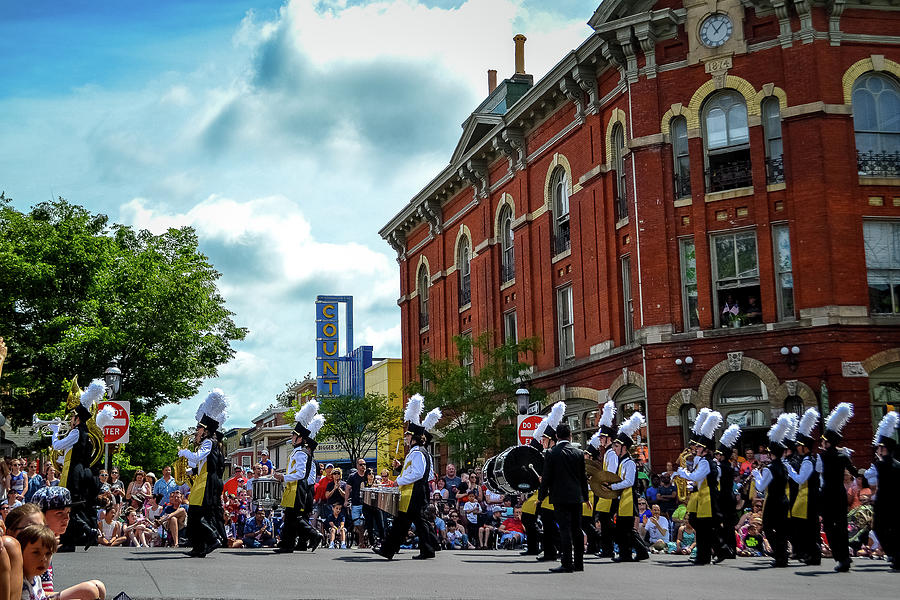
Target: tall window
<point>619,162</point>
<point>423,296</point>
<point>771,111</point>
<point>876,119</point>
<point>510,327</point>
<point>689,284</point>
<point>464,262</point>
<point>784,276</point>
<point>468,356</point>
<point>507,256</point>
<point>566,321</point>
<point>882,240</point>
<point>628,304</point>
<point>682,158</point>
<point>727,138</point>
<point>736,279</point>
<point>559,189</point>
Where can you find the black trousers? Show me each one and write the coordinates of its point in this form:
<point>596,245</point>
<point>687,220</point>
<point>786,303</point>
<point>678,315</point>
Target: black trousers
<point>296,531</point>
<point>396,535</point>
<point>607,534</point>
<point>887,529</point>
<point>205,526</point>
<point>593,538</point>
<point>571,539</point>
<point>82,529</point>
<point>550,537</point>
<point>775,526</point>
<point>726,532</point>
<point>834,522</point>
<point>624,536</point>
<point>705,528</point>
<point>805,536</point>
<point>532,543</point>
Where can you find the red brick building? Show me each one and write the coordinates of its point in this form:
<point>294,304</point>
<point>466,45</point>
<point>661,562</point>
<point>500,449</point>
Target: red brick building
<point>698,206</point>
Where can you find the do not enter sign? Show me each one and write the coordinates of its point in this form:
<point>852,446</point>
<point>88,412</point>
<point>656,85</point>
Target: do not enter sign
<point>527,425</point>
<point>117,433</point>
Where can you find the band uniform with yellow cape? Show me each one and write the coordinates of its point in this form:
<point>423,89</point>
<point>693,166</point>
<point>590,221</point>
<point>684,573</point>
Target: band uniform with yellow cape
<point>774,481</point>
<point>705,517</point>
<point>804,511</point>
<point>624,507</point>
<point>601,443</point>
<point>300,478</point>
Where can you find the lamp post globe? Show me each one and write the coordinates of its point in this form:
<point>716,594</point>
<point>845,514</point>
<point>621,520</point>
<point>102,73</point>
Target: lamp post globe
<point>522,398</point>
<point>113,378</point>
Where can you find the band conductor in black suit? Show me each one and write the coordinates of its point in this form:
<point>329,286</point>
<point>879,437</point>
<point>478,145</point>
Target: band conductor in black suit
<point>565,481</point>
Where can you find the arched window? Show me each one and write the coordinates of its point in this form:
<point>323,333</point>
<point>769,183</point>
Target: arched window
<point>726,136</point>
<point>619,164</point>
<point>678,129</point>
<point>793,404</point>
<point>876,120</point>
<point>464,266</point>
<point>630,399</point>
<point>559,191</point>
<point>688,416</point>
<point>771,112</point>
<point>743,400</point>
<point>507,256</point>
<point>422,289</point>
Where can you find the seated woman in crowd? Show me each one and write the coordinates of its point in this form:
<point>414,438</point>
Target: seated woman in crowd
<point>687,540</point>
<point>136,529</point>
<point>111,529</point>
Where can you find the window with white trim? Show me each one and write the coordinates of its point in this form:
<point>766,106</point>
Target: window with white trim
<point>771,113</point>
<point>559,190</point>
<point>784,276</point>
<point>876,122</point>
<point>507,251</point>
<point>882,242</point>
<point>689,297</point>
<point>423,296</point>
<point>628,302</point>
<point>726,136</point>
<point>618,139</point>
<point>510,327</point>
<point>681,155</point>
<point>735,270</point>
<point>464,262</point>
<point>565,311</point>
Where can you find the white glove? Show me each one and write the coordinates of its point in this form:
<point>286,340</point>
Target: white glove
<point>54,427</point>
<point>183,452</point>
<point>754,473</point>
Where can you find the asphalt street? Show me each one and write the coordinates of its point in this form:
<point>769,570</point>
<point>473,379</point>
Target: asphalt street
<point>241,573</point>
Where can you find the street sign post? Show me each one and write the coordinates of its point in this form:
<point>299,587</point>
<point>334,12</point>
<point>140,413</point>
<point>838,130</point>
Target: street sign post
<point>526,426</point>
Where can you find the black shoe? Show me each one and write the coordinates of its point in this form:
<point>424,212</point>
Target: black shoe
<point>423,556</point>
<point>842,567</point>
<point>195,552</point>
<point>382,553</point>
<point>93,539</point>
<point>578,568</point>
<point>813,562</point>
<point>641,557</point>
<point>214,546</point>
<point>281,550</point>
<point>66,548</point>
<point>780,564</point>
<point>622,559</point>
<point>529,553</point>
<point>316,542</point>
<point>545,558</point>
<point>561,569</point>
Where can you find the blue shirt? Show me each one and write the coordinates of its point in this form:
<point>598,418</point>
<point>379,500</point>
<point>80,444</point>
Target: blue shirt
<point>161,487</point>
<point>251,526</point>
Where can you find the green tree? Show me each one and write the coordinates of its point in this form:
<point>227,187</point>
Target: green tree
<point>150,447</point>
<point>478,407</point>
<point>76,291</point>
<point>356,423</point>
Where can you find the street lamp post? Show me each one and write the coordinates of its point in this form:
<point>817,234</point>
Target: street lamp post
<point>113,378</point>
<point>522,398</point>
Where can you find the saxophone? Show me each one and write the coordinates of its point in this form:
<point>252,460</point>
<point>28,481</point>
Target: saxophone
<point>680,482</point>
<point>180,468</point>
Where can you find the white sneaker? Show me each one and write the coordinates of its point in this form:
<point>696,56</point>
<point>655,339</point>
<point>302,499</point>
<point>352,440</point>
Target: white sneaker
<point>331,545</point>
<point>343,545</point>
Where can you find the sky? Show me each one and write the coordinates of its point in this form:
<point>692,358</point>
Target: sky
<point>287,133</point>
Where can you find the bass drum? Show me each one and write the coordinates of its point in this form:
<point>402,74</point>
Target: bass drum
<point>516,470</point>
<point>487,475</point>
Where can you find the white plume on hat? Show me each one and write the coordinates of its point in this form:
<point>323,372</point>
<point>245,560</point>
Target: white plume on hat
<point>595,440</point>
<point>414,407</point>
<point>306,413</point>
<point>730,436</point>
<point>541,428</point>
<point>106,416</point>
<point>93,393</point>
<point>711,424</point>
<point>808,422</point>
<point>556,414</point>
<point>839,417</point>
<point>792,430</point>
<point>315,425</point>
<point>431,419</point>
<point>779,430</point>
<point>214,407</point>
<point>631,424</point>
<point>608,414</point>
<point>698,423</point>
<point>886,427</point>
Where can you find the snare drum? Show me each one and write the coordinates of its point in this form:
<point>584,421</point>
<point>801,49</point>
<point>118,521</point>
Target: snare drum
<point>267,491</point>
<point>386,499</point>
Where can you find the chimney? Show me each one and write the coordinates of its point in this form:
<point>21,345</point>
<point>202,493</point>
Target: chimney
<point>520,53</point>
<point>492,81</point>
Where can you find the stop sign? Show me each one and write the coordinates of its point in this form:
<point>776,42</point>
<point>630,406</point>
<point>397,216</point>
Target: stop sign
<point>117,433</point>
<point>527,425</point>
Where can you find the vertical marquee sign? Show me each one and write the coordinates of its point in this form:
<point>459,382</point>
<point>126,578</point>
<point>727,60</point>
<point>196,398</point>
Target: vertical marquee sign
<point>328,359</point>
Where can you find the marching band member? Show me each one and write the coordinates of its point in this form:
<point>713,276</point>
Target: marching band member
<point>832,462</point>
<point>624,506</point>
<point>206,519</point>
<point>705,477</point>
<point>300,479</point>
<point>727,501</point>
<point>774,478</point>
<point>76,474</point>
<point>804,513</point>
<point>530,506</point>
<point>550,538</point>
<point>413,482</point>
<point>604,446</point>
<point>693,444</point>
<point>886,474</point>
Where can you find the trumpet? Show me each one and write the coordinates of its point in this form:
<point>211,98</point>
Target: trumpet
<point>45,427</point>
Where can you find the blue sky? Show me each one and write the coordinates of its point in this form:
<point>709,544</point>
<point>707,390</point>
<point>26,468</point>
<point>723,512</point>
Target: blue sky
<point>287,133</point>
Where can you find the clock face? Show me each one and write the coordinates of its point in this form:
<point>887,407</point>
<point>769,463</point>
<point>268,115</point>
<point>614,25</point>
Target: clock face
<point>715,30</point>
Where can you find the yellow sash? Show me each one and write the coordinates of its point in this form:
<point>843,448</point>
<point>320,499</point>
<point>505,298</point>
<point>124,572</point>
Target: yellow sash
<point>289,496</point>
<point>604,505</point>
<point>529,507</point>
<point>587,508</point>
<point>67,464</point>
<point>405,496</point>
<point>198,490</point>
<point>704,501</point>
<point>546,503</point>
<point>626,496</point>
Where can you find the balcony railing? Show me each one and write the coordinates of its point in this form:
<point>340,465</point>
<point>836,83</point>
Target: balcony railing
<point>465,295</point>
<point>507,271</point>
<point>878,164</point>
<point>682,185</point>
<point>729,176</point>
<point>423,319</point>
<point>775,170</point>
<point>561,240</point>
